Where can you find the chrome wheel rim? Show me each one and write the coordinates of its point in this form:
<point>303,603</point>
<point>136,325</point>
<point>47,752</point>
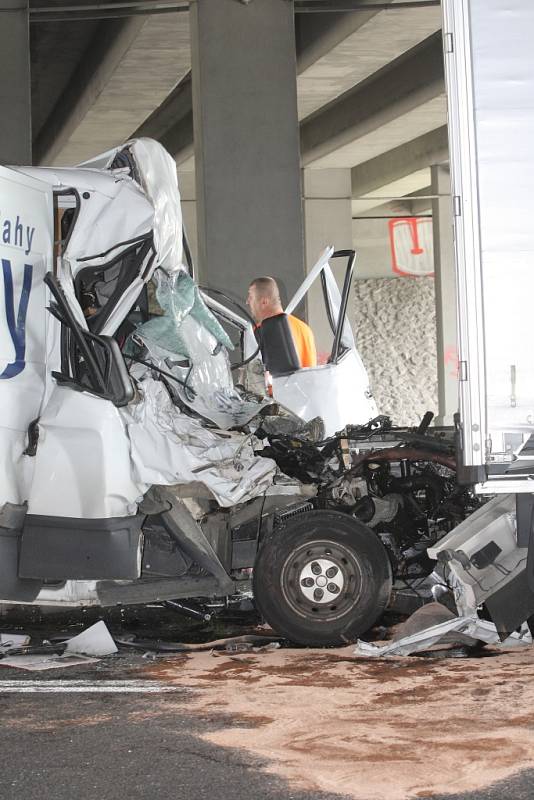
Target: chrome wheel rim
<point>321,580</point>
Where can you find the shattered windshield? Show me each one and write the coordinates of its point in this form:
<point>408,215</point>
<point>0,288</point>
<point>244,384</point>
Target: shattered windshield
<point>184,339</point>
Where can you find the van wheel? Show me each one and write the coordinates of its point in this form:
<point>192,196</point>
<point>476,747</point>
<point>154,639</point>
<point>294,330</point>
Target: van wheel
<point>322,578</point>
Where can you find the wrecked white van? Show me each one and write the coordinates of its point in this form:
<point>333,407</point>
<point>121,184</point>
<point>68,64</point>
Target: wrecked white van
<point>131,468</point>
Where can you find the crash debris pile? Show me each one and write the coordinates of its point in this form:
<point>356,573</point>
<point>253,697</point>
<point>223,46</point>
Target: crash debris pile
<point>434,627</point>
<point>37,654</point>
<point>17,651</point>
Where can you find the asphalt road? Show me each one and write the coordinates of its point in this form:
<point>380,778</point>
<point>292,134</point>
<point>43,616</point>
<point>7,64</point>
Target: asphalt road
<point>112,745</point>
<point>64,745</point>
<point>117,746</point>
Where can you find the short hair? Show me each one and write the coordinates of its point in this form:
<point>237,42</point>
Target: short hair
<point>266,287</point>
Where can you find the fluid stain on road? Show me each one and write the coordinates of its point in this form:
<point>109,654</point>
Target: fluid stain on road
<point>396,729</point>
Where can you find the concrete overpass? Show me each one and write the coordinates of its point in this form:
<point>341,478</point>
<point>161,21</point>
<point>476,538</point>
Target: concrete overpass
<point>289,120</point>
<point>370,87</point>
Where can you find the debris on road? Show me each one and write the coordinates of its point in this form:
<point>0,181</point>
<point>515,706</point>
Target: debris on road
<point>39,663</point>
<point>440,628</point>
<point>95,641</point>
<point>245,643</point>
<point>18,652</point>
<point>10,640</point>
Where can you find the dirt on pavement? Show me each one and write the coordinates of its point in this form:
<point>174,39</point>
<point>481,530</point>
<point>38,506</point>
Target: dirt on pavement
<point>397,728</point>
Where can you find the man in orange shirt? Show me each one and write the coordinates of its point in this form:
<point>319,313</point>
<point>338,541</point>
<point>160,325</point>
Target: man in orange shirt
<point>263,299</point>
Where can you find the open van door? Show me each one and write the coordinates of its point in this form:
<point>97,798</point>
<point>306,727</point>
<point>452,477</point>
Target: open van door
<point>339,390</point>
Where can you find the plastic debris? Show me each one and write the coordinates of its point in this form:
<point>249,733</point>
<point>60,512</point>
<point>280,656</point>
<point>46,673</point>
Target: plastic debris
<point>10,640</point>
<point>40,663</point>
<point>95,641</point>
<point>18,652</point>
<point>469,630</point>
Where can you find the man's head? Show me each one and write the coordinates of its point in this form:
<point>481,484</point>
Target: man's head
<point>263,298</point>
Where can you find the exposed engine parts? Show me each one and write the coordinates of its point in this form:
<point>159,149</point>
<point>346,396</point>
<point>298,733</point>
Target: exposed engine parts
<point>400,482</point>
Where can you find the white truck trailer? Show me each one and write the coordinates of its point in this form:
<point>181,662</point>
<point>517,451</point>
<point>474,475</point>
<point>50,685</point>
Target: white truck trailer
<point>489,64</point>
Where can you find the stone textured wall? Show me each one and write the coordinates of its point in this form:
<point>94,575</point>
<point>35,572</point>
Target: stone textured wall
<point>395,326</point>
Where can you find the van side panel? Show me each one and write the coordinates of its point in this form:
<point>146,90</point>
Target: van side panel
<point>26,240</point>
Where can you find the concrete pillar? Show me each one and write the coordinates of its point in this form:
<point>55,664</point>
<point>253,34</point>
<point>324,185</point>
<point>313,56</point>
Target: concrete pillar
<point>445,286</point>
<point>15,92</point>
<point>246,143</point>
<point>186,184</point>
<point>327,221</point>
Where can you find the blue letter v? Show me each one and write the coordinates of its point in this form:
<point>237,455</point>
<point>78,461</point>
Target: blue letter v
<point>16,329</point>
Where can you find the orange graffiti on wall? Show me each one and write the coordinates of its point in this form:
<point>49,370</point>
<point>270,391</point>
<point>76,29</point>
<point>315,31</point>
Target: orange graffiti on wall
<point>451,360</point>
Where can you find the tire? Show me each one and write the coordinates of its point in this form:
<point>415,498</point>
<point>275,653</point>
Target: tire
<point>322,579</point>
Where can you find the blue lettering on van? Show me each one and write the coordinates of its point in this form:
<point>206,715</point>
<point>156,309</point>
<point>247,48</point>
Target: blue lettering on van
<point>17,234</point>
<point>17,327</point>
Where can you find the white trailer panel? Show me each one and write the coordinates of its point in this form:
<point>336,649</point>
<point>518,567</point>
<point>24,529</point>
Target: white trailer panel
<point>489,58</point>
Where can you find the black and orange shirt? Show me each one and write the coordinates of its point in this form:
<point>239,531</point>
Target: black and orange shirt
<point>303,340</point>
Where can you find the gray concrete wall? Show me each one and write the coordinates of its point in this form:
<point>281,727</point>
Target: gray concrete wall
<point>373,252</point>
<point>395,326</point>
<point>15,105</point>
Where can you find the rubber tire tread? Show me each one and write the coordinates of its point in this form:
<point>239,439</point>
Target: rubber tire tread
<point>325,526</point>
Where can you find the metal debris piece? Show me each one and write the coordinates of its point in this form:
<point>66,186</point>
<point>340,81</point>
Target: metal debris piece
<point>257,643</point>
<point>95,641</point>
<point>40,663</point>
<point>470,630</point>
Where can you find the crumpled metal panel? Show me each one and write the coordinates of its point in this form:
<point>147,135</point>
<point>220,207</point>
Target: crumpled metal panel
<point>169,447</point>
<point>160,181</point>
<point>469,629</point>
